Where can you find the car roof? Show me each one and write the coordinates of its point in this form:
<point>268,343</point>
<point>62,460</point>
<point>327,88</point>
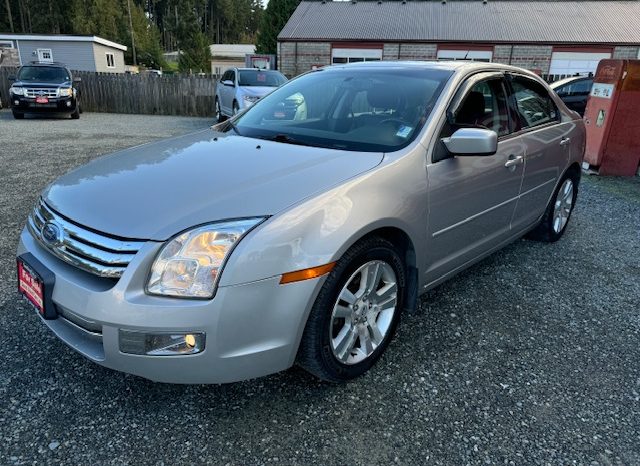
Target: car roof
<point>254,69</point>
<point>564,81</point>
<point>451,65</point>
<point>52,64</point>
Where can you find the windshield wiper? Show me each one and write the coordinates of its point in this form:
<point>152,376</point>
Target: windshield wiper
<point>289,140</point>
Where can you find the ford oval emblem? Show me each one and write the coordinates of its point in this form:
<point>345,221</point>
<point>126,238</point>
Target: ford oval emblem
<point>52,234</point>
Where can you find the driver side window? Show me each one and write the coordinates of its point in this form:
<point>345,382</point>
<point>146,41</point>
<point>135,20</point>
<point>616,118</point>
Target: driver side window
<point>485,106</point>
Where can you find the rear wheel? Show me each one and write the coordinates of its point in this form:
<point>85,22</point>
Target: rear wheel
<point>18,116</point>
<point>556,218</point>
<point>356,312</point>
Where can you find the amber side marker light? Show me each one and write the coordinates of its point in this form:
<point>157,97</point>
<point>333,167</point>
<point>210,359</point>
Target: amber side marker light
<point>306,274</point>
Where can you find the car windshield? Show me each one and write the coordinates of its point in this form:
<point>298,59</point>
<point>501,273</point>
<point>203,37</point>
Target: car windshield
<point>250,78</point>
<point>43,74</point>
<point>356,109</point>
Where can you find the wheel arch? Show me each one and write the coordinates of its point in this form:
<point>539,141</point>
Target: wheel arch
<point>401,240</point>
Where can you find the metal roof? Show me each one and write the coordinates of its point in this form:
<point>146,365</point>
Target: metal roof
<point>575,22</point>
<point>232,50</point>
<point>63,38</point>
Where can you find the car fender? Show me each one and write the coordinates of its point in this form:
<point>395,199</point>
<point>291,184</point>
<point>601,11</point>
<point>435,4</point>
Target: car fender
<point>319,230</point>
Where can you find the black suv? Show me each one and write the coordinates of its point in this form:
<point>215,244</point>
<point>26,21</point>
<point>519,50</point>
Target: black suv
<point>44,88</point>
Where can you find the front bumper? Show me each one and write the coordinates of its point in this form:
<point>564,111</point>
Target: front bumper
<point>252,329</point>
<point>21,104</point>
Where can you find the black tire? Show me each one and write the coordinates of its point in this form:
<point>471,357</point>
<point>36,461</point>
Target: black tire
<point>18,116</point>
<point>315,354</point>
<point>236,108</point>
<point>545,230</point>
<point>76,114</point>
<point>218,110</point>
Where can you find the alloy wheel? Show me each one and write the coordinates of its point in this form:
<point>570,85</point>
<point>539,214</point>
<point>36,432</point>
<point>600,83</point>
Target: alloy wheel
<point>563,206</point>
<point>363,313</point>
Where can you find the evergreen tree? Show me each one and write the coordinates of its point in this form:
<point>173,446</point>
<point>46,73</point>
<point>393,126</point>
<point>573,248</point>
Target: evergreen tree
<point>273,20</point>
<point>193,43</point>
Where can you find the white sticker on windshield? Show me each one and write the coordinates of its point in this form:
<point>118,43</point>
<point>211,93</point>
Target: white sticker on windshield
<point>404,131</point>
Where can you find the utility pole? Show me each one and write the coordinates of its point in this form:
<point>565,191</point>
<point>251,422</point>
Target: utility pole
<point>9,14</point>
<point>133,41</point>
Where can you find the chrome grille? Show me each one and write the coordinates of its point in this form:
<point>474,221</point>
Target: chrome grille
<point>99,254</point>
<point>40,92</point>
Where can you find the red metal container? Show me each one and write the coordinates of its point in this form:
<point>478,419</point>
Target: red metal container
<point>612,119</point>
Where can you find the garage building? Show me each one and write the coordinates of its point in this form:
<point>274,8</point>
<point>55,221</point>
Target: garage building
<point>552,38</point>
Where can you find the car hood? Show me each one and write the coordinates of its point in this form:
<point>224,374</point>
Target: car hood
<point>159,189</point>
<point>40,84</point>
<point>258,91</point>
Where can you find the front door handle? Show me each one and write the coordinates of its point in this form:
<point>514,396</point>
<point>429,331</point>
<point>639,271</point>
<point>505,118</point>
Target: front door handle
<point>513,161</point>
<point>565,141</point>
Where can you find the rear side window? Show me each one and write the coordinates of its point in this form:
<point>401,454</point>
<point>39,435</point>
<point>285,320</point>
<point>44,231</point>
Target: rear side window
<point>534,104</point>
<point>582,87</point>
<point>575,88</point>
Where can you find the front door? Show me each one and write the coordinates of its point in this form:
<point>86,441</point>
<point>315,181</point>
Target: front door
<point>227,92</point>
<point>472,198</point>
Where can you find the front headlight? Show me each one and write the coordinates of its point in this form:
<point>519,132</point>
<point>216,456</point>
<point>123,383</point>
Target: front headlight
<point>251,99</point>
<point>16,90</point>
<point>65,91</point>
<point>189,265</point>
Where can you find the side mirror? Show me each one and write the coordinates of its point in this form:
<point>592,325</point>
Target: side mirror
<point>227,83</point>
<point>472,141</point>
<point>77,79</point>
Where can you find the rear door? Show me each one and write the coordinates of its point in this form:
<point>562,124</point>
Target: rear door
<point>472,198</point>
<point>547,140</point>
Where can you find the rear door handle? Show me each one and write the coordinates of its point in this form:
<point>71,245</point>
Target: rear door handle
<point>514,160</point>
<point>565,141</point>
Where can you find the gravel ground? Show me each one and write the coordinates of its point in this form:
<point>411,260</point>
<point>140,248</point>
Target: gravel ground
<point>531,356</point>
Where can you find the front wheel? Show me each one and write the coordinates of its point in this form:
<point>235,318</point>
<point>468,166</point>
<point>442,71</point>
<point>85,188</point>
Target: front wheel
<point>356,312</point>
<point>236,108</point>
<point>556,218</point>
<point>219,116</point>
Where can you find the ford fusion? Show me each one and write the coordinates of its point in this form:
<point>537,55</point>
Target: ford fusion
<point>300,230</point>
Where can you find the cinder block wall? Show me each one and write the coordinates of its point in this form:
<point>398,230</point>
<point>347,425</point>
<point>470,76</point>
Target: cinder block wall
<point>625,52</point>
<point>299,57</point>
<point>532,57</point>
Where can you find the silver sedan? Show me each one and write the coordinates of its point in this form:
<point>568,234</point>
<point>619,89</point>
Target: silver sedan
<point>299,231</point>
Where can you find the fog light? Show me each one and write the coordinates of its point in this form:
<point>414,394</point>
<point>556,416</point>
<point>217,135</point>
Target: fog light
<point>161,344</point>
<point>68,103</point>
<point>16,102</point>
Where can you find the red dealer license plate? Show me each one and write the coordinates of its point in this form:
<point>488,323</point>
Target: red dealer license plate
<point>31,286</point>
<point>42,100</point>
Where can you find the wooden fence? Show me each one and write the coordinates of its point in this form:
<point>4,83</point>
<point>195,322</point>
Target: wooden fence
<point>144,94</point>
